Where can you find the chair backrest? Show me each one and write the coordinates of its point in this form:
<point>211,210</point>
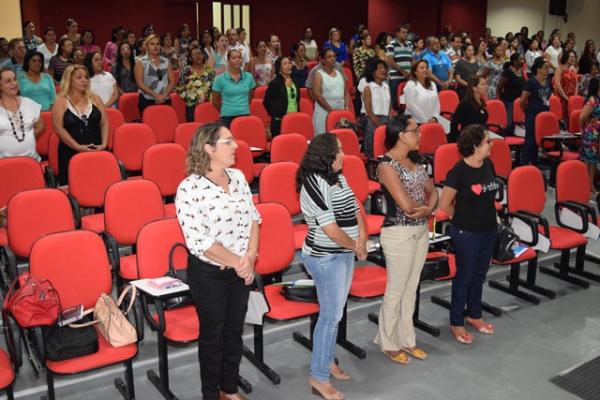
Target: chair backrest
<point>244,161</point>
<point>35,213</point>
<point>556,107</point>
<point>251,130</point>
<point>277,184</point>
<point>448,101</point>
<point>432,137</point>
<point>312,64</point>
<point>289,147</point>
<point>575,102</point>
<point>400,93</point>
<point>347,137</point>
<point>258,109</point>
<point>53,152</point>
<point>178,105</point>
<point>184,134</point>
<point>445,158</point>
<point>518,114</point>
<point>206,112</point>
<point>115,120</point>
<point>164,164</point>
<point>259,92</point>
<point>496,115</point>
<point>163,121</point>
<point>77,265</point>
<point>572,183</point>
<point>307,106</point>
<point>154,243</point>
<point>334,116</point>
<point>501,158</point>
<point>298,123</point>
<point>128,105</point>
<point>18,174</point>
<point>546,124</point>
<point>90,174</point>
<point>379,141</point>
<point>526,190</point>
<point>131,141</point>
<point>43,140</point>
<point>129,205</point>
<point>276,239</point>
<point>574,126</point>
<point>355,173</point>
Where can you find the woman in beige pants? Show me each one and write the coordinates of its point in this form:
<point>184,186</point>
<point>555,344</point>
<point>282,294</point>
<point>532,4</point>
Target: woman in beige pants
<point>410,197</point>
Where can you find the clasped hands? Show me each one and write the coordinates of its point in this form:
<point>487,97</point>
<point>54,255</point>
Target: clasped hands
<point>245,268</point>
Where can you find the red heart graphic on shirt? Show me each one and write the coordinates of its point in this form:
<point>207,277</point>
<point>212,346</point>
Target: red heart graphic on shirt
<point>477,189</point>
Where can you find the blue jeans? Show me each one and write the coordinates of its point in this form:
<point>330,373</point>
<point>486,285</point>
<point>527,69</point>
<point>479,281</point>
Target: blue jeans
<point>473,252</point>
<point>333,278</point>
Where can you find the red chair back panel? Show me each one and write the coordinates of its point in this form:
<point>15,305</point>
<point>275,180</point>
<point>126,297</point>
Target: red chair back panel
<point>243,160</point>
<point>445,158</point>
<point>288,147</point>
<point>448,101</point>
<point>334,116</point>
<point>164,164</point>
<point>496,114</point>
<point>53,152</point>
<point>277,184</point>
<point>575,102</point>
<point>379,141</point>
<point>154,243</point>
<point>206,112</point>
<point>556,107</point>
<point>90,174</point>
<point>115,120</point>
<point>526,190</point>
<point>574,126</point>
<point>251,130</point>
<point>355,173</point>
<point>18,174</point>
<point>184,134</point>
<point>128,105</point>
<point>546,124</point>
<point>43,141</point>
<point>179,106</point>
<point>258,110</point>
<point>131,141</point>
<point>163,121</point>
<point>349,141</point>
<point>307,107</point>
<point>432,137</point>
<point>501,158</point>
<point>572,182</point>
<point>298,123</point>
<point>259,92</point>
<point>518,114</point>
<point>276,239</point>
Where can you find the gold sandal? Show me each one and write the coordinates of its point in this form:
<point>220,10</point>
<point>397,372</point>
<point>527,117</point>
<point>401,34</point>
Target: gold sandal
<point>416,353</point>
<point>400,358</point>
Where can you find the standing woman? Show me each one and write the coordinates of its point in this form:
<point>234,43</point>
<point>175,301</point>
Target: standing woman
<point>312,50</point>
<point>465,69</point>
<point>169,51</point>
<point>420,93</point>
<point>72,35</point>
<point>588,57</point>
<point>221,54</point>
<point>376,100</point>
<point>232,90</point>
<point>20,122</point>
<point>61,61</point>
<point>565,80</point>
<point>282,95</point>
<point>534,99</point>
<point>221,233</point>
<point>78,118</point>
<point>411,197</point>
<point>361,54</point>
<point>195,82</point>
<point>299,64</point>
<point>533,53</point>
<point>492,69</point>
<point>336,233</point>
<point>468,198</point>
<point>123,69</point>
<point>207,46</point>
<point>335,43</point>
<point>112,46</point>
<point>49,48</point>
<point>472,109</point>
<point>329,90</point>
<point>419,47</point>
<point>590,128</point>
<point>273,47</point>
<point>510,87</point>
<point>183,40</point>
<point>481,54</point>
<point>153,76</point>
<point>102,83</point>
<point>31,40</point>
<point>35,84</point>
<point>261,66</point>
<point>87,42</point>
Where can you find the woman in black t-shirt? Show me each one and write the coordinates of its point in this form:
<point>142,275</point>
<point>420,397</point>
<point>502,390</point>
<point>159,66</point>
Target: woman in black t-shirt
<point>471,110</point>
<point>468,197</point>
<point>510,87</point>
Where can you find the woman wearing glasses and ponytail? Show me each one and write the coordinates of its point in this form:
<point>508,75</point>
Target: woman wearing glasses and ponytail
<point>282,96</point>
<point>153,76</point>
<point>78,118</point>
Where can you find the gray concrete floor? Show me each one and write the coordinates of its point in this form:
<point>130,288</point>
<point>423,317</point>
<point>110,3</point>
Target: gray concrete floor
<point>531,345</point>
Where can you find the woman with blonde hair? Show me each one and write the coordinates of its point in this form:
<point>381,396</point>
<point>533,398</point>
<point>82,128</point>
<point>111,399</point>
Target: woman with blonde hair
<point>78,118</point>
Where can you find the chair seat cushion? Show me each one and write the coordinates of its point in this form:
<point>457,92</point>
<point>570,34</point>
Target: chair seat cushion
<point>441,215</point>
<point>368,281</point>
<point>451,263</point>
<point>514,141</point>
<point>283,309</point>
<point>564,238</point>
<point>300,232</point>
<point>566,156</point>
<point>374,223</point>
<point>258,167</point>
<point>373,186</point>
<point>181,324</point>
<point>128,268</point>
<point>528,254</point>
<point>93,222</point>
<point>106,355</point>
<point>3,237</point>
<point>170,210</point>
<point>7,374</point>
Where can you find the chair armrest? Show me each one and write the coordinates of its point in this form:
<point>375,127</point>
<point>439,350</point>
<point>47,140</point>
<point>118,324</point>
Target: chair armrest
<point>584,211</point>
<point>76,211</point>
<point>503,183</point>
<point>13,339</point>
<point>529,221</point>
<point>112,249</point>
<point>556,144</point>
<point>49,177</point>
<point>495,128</point>
<point>541,220</point>
<point>122,170</point>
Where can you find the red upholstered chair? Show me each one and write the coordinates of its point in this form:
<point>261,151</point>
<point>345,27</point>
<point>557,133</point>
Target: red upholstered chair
<point>131,141</point>
<point>298,123</point>
<point>184,134</point>
<point>500,157</point>
<point>575,102</point>
<point>258,110</point>
<point>528,205</point>
<point>497,119</point>
<point>164,164</point>
<point>128,105</point>
<point>76,264</point>
<point>43,140</point>
<point>206,112</point>
<point>288,147</point>
<point>335,116</point>
<point>307,106</point>
<point>304,94</point>
<point>275,252</point>
<point>259,92</point>
<point>574,126</point>
<point>446,157</point>
<point>178,105</point>
<point>245,163</point>
<point>546,124</point>
<point>379,142</point>
<point>163,121</point>
<point>448,102</point>
<point>350,82</point>
<point>432,137</point>
<point>90,175</point>
<point>129,205</point>
<point>51,170</point>
<point>312,64</point>
<point>115,120</point>
<point>400,96</point>
<point>251,130</point>
<point>7,374</point>
<point>350,144</point>
<point>556,107</point>
<point>278,185</point>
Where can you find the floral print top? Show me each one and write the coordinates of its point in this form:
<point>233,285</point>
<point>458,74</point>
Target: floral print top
<point>195,88</point>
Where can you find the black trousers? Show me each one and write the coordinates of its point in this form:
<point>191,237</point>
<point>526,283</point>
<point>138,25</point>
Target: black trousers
<point>143,103</point>
<point>221,300</point>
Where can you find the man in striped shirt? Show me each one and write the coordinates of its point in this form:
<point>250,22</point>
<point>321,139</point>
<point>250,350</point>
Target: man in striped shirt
<point>399,59</point>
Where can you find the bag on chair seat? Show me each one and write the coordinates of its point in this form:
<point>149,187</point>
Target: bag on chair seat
<point>33,303</point>
<point>506,239</point>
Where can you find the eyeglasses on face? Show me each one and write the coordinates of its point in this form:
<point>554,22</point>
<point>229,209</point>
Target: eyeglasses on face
<point>229,141</point>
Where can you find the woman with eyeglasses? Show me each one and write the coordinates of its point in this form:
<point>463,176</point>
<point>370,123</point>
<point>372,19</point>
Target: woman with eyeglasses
<point>78,118</point>
<point>220,225</point>
<point>468,198</point>
<point>153,76</point>
<point>282,95</point>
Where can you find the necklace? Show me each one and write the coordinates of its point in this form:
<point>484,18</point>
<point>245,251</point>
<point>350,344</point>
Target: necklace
<point>12,124</point>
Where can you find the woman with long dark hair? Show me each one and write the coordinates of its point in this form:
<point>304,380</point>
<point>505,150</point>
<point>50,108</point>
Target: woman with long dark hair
<point>123,69</point>
<point>61,61</point>
<point>299,64</point>
<point>587,57</point>
<point>421,95</point>
<point>336,233</point>
<point>282,95</point>
<point>112,46</point>
<point>510,87</point>
<point>472,109</point>
<point>195,82</point>
<point>376,100</point>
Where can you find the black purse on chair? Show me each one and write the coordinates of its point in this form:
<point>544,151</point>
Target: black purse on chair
<point>506,239</point>
<point>181,274</point>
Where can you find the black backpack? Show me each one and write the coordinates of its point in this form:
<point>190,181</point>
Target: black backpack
<point>506,239</point>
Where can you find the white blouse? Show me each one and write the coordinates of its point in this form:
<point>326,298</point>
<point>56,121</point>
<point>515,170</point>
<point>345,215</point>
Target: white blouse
<point>9,145</point>
<point>380,97</point>
<point>423,104</point>
<point>209,215</point>
<point>102,85</point>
